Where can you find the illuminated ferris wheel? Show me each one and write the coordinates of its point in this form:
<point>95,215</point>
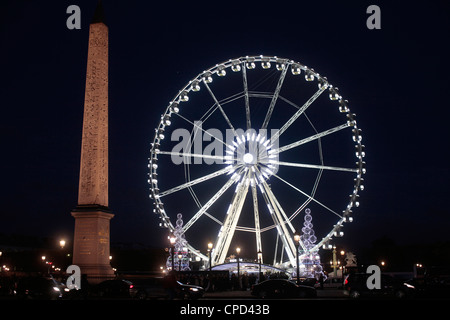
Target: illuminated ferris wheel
<point>244,148</point>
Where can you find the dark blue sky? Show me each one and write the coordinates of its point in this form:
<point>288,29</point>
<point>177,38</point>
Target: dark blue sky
<point>396,79</point>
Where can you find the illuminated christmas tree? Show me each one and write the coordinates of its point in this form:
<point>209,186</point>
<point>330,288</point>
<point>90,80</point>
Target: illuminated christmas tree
<point>180,251</point>
<point>310,266</point>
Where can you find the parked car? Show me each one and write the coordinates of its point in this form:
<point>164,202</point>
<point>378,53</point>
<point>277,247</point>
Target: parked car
<point>282,288</point>
<point>436,287</point>
<point>355,286</point>
<point>332,283</point>
<point>156,288</point>
<point>191,292</point>
<point>148,288</point>
<point>117,288</point>
<point>40,288</point>
<point>310,282</point>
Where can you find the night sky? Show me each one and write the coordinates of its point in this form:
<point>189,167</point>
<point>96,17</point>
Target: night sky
<point>396,80</point>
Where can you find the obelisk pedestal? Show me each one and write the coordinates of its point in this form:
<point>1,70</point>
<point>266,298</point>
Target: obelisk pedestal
<point>92,215</point>
<point>91,242</point>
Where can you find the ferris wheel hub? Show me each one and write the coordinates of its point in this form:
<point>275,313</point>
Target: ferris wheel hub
<point>248,158</point>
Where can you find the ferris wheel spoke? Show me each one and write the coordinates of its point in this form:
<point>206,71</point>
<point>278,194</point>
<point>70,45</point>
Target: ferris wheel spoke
<point>226,232</point>
<point>208,204</point>
<point>316,183</point>
<point>232,98</point>
<point>308,196</point>
<point>278,220</point>
<point>312,166</point>
<point>193,155</point>
<point>311,138</point>
<point>292,216</point>
<point>257,224</point>
<point>220,107</point>
<point>222,102</point>
<point>274,98</point>
<point>196,181</point>
<point>276,204</point>
<point>196,126</point>
<point>297,114</point>
<point>247,103</point>
<point>300,209</point>
<point>213,218</point>
<point>284,219</point>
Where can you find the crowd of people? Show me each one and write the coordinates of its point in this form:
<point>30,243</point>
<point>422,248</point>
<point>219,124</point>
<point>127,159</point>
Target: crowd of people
<point>224,281</point>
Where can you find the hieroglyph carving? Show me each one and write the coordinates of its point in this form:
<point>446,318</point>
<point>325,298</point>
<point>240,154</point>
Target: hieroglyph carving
<point>93,187</point>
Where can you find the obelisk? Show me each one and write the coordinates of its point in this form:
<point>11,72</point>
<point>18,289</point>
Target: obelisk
<point>91,248</point>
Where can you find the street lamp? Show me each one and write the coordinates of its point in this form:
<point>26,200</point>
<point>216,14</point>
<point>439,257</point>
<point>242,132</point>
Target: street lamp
<point>297,244</point>
<point>179,261</point>
<point>62,244</point>
<point>259,262</point>
<point>238,250</point>
<point>343,260</point>
<point>44,258</point>
<point>334,262</point>
<point>172,240</point>
<point>210,246</point>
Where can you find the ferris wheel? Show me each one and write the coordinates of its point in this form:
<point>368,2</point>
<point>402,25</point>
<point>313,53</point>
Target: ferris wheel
<point>245,147</point>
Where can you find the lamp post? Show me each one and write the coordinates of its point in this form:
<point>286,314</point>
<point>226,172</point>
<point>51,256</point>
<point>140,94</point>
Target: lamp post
<point>210,246</point>
<point>334,262</point>
<point>43,258</point>
<point>172,240</point>
<point>180,256</point>
<point>259,262</point>
<point>238,250</point>
<point>62,244</point>
<point>297,244</point>
<point>343,260</point>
